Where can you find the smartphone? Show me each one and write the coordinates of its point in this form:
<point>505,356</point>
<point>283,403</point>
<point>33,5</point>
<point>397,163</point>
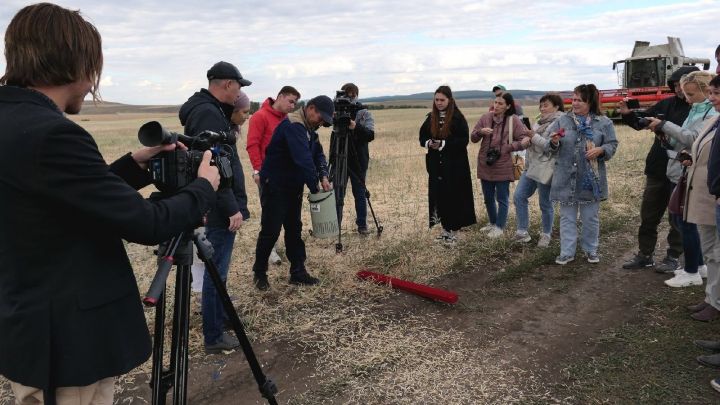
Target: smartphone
<point>632,103</point>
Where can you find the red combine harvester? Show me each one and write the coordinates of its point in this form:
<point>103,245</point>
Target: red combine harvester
<point>644,75</point>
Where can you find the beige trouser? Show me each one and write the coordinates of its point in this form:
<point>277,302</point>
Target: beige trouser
<point>100,393</point>
<point>711,250</point>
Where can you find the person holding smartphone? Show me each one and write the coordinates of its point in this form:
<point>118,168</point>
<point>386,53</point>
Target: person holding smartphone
<point>445,135</point>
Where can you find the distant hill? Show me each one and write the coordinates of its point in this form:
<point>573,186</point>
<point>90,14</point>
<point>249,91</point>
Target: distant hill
<point>459,95</point>
<point>468,98</point>
<point>108,107</point>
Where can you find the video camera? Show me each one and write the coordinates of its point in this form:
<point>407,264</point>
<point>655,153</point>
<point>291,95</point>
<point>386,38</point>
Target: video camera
<point>345,109</point>
<point>176,169</point>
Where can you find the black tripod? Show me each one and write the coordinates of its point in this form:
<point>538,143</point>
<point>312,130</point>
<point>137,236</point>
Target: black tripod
<point>178,251</point>
<point>340,145</point>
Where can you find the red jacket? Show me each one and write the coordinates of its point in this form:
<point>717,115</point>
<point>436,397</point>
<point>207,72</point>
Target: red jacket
<point>262,125</point>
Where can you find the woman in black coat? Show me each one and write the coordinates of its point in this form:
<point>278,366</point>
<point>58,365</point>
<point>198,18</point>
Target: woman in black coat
<point>445,135</point>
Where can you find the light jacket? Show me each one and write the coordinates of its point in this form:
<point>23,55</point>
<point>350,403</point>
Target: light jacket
<point>699,203</point>
<point>570,162</point>
<point>682,137</point>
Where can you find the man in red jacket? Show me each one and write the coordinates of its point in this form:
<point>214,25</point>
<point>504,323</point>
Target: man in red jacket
<point>262,125</point>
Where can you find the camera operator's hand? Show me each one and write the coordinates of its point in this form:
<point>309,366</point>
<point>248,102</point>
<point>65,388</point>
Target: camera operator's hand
<point>236,222</point>
<point>654,123</point>
<point>352,124</point>
<point>210,173</point>
<point>325,184</point>
<point>622,107</point>
<point>143,155</point>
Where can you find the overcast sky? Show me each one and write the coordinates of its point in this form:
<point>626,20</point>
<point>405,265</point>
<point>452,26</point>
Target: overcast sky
<point>158,52</point>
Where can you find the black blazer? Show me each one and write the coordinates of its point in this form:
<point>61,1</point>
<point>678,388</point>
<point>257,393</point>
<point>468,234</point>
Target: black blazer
<point>70,311</point>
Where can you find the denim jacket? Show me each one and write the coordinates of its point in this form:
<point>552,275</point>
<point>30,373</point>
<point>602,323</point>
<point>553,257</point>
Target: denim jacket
<point>570,163</point>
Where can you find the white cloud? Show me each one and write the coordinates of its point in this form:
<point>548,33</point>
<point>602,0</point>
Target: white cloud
<point>158,54</point>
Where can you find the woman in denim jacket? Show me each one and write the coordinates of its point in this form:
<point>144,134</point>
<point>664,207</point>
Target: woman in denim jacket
<point>582,140</point>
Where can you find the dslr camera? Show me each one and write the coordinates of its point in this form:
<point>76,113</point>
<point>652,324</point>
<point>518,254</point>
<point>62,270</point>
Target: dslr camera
<point>492,156</point>
<point>176,169</point>
<point>345,109</point>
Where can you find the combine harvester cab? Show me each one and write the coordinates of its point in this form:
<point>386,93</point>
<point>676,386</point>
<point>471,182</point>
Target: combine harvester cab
<point>643,76</point>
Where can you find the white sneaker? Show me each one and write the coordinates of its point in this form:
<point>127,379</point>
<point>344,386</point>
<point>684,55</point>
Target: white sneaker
<point>684,279</point>
<point>522,237</point>
<point>487,228</point>
<point>495,233</point>
<point>544,240</point>
<point>274,257</point>
<point>702,270</point>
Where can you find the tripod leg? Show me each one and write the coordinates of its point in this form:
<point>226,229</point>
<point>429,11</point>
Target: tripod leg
<point>266,386</point>
<point>181,326</point>
<point>157,383</point>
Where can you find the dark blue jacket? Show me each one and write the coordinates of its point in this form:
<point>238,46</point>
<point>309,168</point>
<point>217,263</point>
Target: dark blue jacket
<point>294,156</point>
<point>203,112</point>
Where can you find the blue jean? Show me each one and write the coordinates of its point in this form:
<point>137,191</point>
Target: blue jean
<point>496,191</point>
<point>525,189</point>
<point>590,234</point>
<point>691,243</point>
<point>357,183</point>
<point>213,313</point>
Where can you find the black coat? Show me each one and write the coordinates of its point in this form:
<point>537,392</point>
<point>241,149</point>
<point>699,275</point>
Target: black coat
<point>70,311</point>
<point>676,111</point>
<point>450,194</point>
<point>203,112</point>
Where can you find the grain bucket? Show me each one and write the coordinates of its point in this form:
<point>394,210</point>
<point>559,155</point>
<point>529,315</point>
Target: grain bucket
<point>323,214</point>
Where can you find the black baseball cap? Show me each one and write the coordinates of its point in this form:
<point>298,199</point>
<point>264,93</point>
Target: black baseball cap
<point>226,70</point>
<point>325,106</point>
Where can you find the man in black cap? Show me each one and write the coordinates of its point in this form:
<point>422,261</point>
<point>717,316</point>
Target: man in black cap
<point>293,158</point>
<point>210,110</point>
<point>657,186</point>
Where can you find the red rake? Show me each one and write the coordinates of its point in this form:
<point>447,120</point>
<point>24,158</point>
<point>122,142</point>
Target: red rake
<point>414,288</point>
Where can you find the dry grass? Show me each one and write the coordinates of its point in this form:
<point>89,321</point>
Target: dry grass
<point>379,356</point>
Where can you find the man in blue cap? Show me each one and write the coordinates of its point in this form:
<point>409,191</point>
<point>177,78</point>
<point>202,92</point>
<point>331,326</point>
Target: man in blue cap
<point>293,158</point>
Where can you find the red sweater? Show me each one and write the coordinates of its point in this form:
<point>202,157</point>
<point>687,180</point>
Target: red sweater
<point>262,125</point>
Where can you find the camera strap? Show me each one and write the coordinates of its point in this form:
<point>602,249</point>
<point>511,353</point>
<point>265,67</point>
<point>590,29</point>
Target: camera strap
<point>502,130</point>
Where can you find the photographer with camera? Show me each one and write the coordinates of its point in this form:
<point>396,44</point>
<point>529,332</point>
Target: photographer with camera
<point>695,86</point>
<point>293,158</point>
<point>361,131</point>
<point>262,125</point>
<point>501,132</point>
<point>211,110</point>
<point>70,311</point>
<point>658,187</point>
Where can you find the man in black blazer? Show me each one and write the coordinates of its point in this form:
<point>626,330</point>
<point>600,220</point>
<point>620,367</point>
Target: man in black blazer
<point>70,311</point>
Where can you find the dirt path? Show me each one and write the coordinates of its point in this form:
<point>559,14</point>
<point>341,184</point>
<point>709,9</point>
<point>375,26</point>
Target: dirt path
<point>534,323</point>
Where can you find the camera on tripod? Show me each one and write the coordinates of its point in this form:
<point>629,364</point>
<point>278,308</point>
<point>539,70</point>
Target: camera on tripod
<point>345,109</point>
<point>176,169</point>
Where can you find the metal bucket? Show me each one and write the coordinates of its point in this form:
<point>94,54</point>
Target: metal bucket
<point>323,214</point>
